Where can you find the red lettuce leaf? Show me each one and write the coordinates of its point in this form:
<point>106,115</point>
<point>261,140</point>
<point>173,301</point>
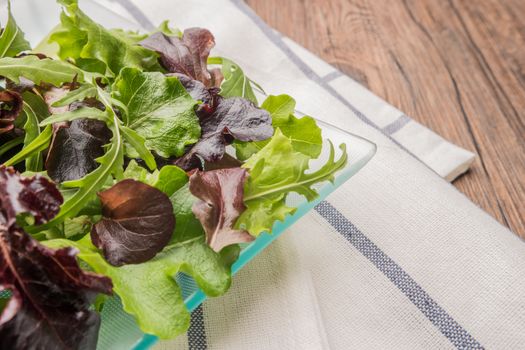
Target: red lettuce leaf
<point>187,55</point>
<point>75,147</point>
<point>231,118</point>
<point>33,195</point>
<point>220,203</point>
<point>11,105</point>
<point>50,294</point>
<point>138,221</point>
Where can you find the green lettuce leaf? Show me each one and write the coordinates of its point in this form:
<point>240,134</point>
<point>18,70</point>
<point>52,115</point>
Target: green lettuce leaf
<point>12,40</point>
<point>276,170</point>
<point>79,37</point>
<point>39,70</point>
<point>159,109</point>
<point>304,133</point>
<point>168,179</point>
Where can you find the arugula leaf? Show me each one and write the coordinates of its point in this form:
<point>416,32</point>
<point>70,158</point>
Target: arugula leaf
<point>276,170</point>
<point>136,147</point>
<point>220,194</point>
<point>235,83</point>
<point>39,70</point>
<point>111,162</point>
<point>84,91</point>
<point>158,109</point>
<point>40,143</point>
<point>303,132</point>
<point>149,291</point>
<point>80,113</point>
<point>12,40</point>
<point>137,222</point>
<point>79,37</point>
<point>6,147</point>
<point>35,109</point>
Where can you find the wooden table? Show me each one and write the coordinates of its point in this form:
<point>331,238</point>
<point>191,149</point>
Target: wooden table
<point>456,66</point>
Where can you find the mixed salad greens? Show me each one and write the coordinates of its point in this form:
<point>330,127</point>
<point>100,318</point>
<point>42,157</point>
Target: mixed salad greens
<point>115,175</point>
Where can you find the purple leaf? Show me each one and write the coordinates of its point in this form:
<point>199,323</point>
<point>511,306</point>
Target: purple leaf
<point>138,221</point>
<point>74,149</point>
<point>232,118</point>
<point>220,194</point>
<point>187,55</point>
<point>33,195</point>
<point>11,105</point>
<point>50,294</point>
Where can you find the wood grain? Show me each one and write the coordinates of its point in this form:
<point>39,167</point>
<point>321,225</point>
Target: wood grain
<point>456,66</point>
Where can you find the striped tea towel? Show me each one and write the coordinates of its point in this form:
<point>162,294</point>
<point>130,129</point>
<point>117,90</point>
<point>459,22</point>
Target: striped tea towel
<point>396,258</point>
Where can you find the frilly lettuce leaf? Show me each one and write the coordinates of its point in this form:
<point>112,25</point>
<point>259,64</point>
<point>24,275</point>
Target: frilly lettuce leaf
<point>276,170</point>
<point>79,37</point>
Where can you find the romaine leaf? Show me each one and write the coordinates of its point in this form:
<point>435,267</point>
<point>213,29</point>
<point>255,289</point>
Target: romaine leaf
<point>303,132</point>
<point>81,38</point>
<point>187,55</point>
<point>149,291</point>
<point>137,222</point>
<point>233,118</point>
<point>75,148</point>
<point>35,110</point>
<point>158,109</point>
<point>39,70</point>
<point>12,40</point>
<point>220,203</point>
<point>276,170</point>
<point>235,83</point>
<point>50,294</point>
<point>11,105</point>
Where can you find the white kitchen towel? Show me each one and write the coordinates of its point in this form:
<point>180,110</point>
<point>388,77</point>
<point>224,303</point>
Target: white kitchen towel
<point>396,258</point>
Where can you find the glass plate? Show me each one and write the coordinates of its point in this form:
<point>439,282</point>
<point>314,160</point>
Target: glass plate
<point>119,330</point>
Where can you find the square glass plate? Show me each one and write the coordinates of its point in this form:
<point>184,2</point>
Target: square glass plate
<point>118,329</point>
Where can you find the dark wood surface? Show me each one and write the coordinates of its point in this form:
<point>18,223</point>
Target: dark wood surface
<point>456,66</point>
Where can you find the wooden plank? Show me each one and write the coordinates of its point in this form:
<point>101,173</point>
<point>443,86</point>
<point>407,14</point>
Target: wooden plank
<point>456,66</point>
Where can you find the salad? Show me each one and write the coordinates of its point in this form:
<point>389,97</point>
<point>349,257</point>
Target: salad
<point>127,158</point>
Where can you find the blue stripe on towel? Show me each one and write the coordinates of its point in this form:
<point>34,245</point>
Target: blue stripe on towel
<point>435,313</point>
<point>197,332</point>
